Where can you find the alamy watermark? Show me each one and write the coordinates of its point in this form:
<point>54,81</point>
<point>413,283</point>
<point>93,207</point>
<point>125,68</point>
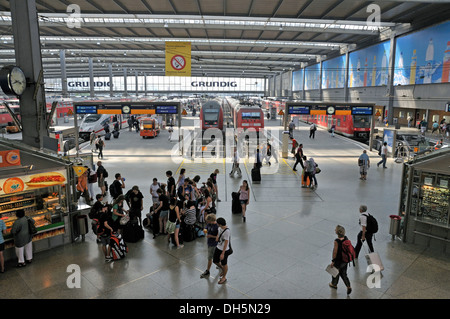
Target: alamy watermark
<point>74,19</point>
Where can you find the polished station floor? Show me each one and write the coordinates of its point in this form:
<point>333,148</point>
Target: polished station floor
<point>282,250</point>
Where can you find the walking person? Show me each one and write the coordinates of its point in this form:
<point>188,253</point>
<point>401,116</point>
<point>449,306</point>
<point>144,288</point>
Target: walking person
<point>298,157</point>
<point>214,181</point>
<point>312,130</point>
<point>364,164</point>
<point>2,245</point>
<point>244,198</point>
<point>383,154</point>
<point>364,234</point>
<point>291,129</point>
<point>333,129</point>
<point>212,229</point>
<point>268,153</point>
<point>92,138</point>
<point>236,167</point>
<point>338,261</point>
<point>22,238</point>
<point>100,145</point>
<point>223,249</point>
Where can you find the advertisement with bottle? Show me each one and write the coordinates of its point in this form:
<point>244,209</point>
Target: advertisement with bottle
<point>312,77</point>
<point>297,80</point>
<point>369,66</point>
<point>333,73</point>
<point>423,57</point>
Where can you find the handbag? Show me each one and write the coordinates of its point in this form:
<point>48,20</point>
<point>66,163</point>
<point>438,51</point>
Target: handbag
<point>31,227</point>
<point>124,220</point>
<point>170,227</point>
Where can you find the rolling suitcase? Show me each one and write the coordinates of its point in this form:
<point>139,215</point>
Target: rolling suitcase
<point>373,259</point>
<point>116,134</point>
<point>236,207</point>
<point>108,136</point>
<point>256,175</point>
<point>133,232</point>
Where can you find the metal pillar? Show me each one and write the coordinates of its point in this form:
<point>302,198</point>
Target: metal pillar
<point>27,47</point>
<point>111,89</point>
<point>136,84</point>
<point>125,89</point>
<point>91,78</point>
<point>347,61</point>
<point>62,60</point>
<point>145,84</point>
<point>390,114</point>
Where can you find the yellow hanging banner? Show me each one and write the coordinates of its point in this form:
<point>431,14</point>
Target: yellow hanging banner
<point>178,58</point>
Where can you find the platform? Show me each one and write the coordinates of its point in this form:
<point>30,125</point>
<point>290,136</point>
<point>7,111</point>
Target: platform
<point>279,253</point>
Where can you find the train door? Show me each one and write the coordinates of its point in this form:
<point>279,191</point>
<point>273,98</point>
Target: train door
<point>329,121</point>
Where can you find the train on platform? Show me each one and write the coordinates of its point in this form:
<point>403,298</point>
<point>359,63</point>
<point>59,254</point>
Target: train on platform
<point>211,114</point>
<point>6,120</point>
<point>245,116</point>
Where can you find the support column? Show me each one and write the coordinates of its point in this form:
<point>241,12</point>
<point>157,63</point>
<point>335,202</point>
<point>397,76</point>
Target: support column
<point>91,78</point>
<point>62,59</point>
<point>390,115</point>
<point>27,48</point>
<point>136,84</point>
<point>111,88</point>
<point>347,61</point>
<point>145,84</point>
<point>125,90</point>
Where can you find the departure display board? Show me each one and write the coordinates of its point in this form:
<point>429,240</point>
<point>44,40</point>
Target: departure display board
<point>298,109</point>
<point>86,109</point>
<point>362,110</point>
<point>166,109</point>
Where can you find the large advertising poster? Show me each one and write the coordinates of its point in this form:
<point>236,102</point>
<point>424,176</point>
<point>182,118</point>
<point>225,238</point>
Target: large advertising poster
<point>333,73</point>
<point>32,181</point>
<point>369,66</point>
<point>424,56</point>
<point>312,77</point>
<point>297,80</point>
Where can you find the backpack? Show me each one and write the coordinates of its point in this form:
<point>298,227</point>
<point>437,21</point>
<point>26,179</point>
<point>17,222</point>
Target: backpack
<point>309,166</point>
<point>105,173</point>
<point>372,224</point>
<point>348,251</point>
<point>113,190</point>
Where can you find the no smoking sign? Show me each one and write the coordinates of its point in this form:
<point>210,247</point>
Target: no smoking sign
<point>178,62</point>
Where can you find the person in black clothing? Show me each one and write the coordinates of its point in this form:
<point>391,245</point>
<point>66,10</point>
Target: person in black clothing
<point>95,212</point>
<point>298,157</point>
<point>171,184</point>
<point>119,184</point>
<point>101,177</point>
<point>135,202</point>
<point>105,230</point>
<point>364,234</point>
<point>337,261</point>
<point>162,211</point>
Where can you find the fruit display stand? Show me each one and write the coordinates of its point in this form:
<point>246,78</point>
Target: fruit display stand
<point>42,185</point>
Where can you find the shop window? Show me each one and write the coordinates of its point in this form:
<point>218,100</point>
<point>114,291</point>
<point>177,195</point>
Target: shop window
<point>401,114</point>
<point>435,118</point>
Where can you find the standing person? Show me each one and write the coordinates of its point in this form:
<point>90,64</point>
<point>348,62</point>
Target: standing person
<point>298,157</point>
<point>364,164</point>
<point>312,173</point>
<point>92,179</point>
<point>118,212</point>
<point>312,130</point>
<point>154,191</point>
<point>22,238</point>
<point>135,202</point>
<point>333,129</point>
<point>2,245</point>
<point>294,146</point>
<point>212,229</point>
<point>364,234</point>
<point>92,139</point>
<point>181,178</point>
<point>223,249</point>
<point>101,175</point>
<point>118,185</point>
<point>82,187</point>
<point>236,167</point>
<point>258,162</point>
<point>171,185</point>
<point>106,225</point>
<point>423,126</point>
<point>244,198</point>
<point>174,222</point>
<point>291,129</point>
<point>214,181</point>
<point>338,262</point>
<point>163,209</point>
<point>100,146</point>
<point>170,132</point>
<point>435,127</point>
<point>383,155</point>
<point>268,152</point>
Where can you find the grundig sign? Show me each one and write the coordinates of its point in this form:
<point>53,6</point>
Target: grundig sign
<point>211,84</point>
<point>85,84</point>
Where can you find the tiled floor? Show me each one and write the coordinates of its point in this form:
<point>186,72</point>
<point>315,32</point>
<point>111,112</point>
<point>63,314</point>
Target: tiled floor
<point>280,252</point>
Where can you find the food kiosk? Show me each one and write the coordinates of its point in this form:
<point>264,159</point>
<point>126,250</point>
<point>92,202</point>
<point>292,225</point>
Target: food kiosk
<point>43,186</point>
<point>425,200</point>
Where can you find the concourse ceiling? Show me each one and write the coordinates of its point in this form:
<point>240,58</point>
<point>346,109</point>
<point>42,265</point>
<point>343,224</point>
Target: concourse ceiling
<point>243,38</point>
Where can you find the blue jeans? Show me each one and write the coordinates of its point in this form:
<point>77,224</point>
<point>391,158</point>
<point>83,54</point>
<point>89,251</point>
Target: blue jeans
<point>383,160</point>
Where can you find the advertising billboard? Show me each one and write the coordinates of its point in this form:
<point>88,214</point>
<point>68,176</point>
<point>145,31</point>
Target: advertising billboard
<point>333,73</point>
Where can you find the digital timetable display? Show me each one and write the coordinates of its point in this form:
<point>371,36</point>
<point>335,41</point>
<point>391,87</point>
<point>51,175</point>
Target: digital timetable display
<point>166,109</point>
<point>86,109</point>
<point>362,110</point>
<point>298,109</point>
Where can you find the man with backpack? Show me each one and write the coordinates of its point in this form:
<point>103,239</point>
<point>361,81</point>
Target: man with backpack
<point>115,189</point>
<point>369,226</point>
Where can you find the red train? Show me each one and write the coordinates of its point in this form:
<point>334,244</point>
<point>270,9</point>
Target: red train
<point>355,126</point>
<point>211,115</point>
<point>5,117</point>
<point>246,116</point>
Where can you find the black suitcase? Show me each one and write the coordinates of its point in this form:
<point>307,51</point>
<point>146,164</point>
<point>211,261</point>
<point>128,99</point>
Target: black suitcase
<point>236,207</point>
<point>256,175</point>
<point>189,233</point>
<point>108,136</point>
<point>132,232</point>
<point>116,134</point>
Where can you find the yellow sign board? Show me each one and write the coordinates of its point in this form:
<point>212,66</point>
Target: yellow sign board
<point>281,112</point>
<point>178,58</point>
<point>184,112</point>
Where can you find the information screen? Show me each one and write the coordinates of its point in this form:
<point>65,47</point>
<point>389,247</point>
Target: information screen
<point>298,109</point>
<point>166,109</point>
<point>86,109</point>
<point>362,110</point>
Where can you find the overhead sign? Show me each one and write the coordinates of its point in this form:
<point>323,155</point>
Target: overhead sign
<point>447,107</point>
<point>178,58</point>
<point>166,109</point>
<point>86,109</point>
<point>149,108</point>
<point>362,110</point>
<point>298,109</point>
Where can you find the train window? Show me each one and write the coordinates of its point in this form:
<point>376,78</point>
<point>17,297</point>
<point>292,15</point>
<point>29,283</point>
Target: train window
<point>361,121</point>
<point>251,115</point>
<point>338,122</point>
<point>210,115</point>
<point>92,118</point>
<point>344,118</point>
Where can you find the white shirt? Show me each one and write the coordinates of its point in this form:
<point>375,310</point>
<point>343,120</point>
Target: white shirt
<point>224,234</point>
<point>153,189</point>
<point>363,220</point>
<point>384,150</point>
